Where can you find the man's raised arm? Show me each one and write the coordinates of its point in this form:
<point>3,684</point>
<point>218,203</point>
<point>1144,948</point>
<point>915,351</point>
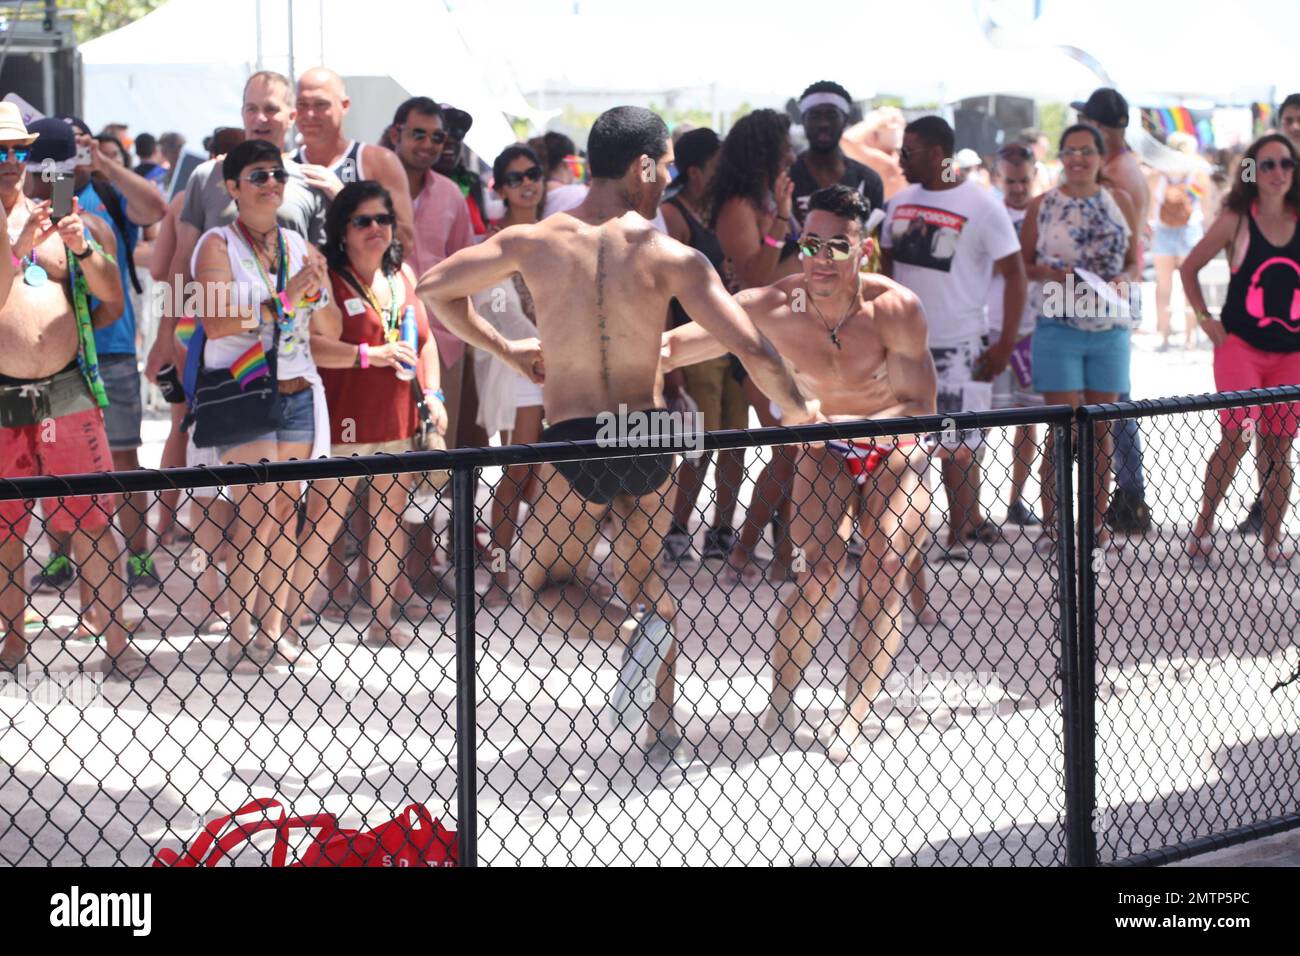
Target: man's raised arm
<point>701,294</point>
<point>446,289</point>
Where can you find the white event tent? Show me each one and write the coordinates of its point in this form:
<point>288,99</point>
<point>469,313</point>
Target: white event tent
<point>183,66</point>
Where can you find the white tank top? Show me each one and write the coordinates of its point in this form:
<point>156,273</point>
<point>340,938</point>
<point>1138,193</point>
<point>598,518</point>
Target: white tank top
<point>294,357</point>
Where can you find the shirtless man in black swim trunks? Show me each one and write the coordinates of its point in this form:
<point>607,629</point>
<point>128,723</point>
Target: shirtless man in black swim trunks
<point>601,278</point>
<point>858,342</point>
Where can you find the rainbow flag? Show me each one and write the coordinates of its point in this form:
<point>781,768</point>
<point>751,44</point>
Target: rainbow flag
<point>250,366</point>
<point>185,327</point>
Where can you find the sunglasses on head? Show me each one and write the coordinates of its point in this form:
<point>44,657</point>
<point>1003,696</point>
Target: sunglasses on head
<point>533,174</point>
<point>14,154</point>
<point>365,222</point>
<point>810,247</point>
<point>260,177</point>
<point>437,136</point>
<point>1286,164</point>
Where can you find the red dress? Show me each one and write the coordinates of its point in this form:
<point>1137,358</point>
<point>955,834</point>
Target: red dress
<point>376,404</point>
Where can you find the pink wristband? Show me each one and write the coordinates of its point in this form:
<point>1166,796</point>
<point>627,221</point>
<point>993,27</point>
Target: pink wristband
<point>774,243</point>
<point>364,350</point>
<point>284,302</point>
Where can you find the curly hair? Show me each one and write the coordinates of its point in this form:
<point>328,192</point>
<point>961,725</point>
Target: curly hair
<point>336,223</point>
<point>751,159</point>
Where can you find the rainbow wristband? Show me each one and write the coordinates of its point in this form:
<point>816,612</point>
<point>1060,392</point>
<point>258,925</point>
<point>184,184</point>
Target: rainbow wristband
<point>364,351</point>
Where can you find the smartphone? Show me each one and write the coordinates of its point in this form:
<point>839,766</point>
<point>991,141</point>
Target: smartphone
<point>61,204</point>
<point>83,156</point>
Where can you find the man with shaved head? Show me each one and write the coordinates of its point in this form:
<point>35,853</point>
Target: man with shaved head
<point>330,161</point>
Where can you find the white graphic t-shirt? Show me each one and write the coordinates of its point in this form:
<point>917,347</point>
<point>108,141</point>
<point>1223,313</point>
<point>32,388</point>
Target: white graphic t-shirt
<point>944,243</point>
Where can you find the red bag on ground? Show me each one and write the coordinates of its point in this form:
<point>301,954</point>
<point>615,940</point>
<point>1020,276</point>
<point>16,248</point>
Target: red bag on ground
<point>413,839</point>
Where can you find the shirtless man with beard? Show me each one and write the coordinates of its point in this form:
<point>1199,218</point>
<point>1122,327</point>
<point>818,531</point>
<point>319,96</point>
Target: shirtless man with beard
<point>601,278</point>
<point>858,344</point>
<point>51,396</point>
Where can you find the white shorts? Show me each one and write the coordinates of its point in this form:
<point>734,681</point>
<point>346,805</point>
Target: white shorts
<point>527,394</point>
<point>196,457</point>
<point>954,367</point>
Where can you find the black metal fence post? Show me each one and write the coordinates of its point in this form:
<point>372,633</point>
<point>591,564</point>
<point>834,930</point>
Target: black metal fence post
<point>462,518</point>
<point>1085,657</point>
<point>1076,815</point>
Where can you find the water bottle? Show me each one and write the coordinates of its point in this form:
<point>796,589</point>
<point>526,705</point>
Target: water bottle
<point>411,336</point>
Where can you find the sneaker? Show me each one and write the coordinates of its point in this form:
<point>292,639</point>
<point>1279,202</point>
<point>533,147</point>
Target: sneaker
<point>1128,513</point>
<point>637,680</point>
<point>140,573</point>
<point>718,543</point>
<point>1254,522</point>
<point>677,546</point>
<point>1022,516</point>
<point>56,575</point>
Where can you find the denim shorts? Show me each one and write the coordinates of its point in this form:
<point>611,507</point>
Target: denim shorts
<point>121,377</point>
<point>1174,240</point>
<point>1066,359</point>
<point>297,424</point>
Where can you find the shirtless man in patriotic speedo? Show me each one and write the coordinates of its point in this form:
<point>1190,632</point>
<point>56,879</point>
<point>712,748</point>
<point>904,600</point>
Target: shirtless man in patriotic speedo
<point>601,278</point>
<point>858,344</point>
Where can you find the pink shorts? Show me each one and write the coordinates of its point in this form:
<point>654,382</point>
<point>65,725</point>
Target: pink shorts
<point>73,444</point>
<point>1239,366</point>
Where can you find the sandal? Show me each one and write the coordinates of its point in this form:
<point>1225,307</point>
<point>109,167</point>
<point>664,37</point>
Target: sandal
<point>986,533</point>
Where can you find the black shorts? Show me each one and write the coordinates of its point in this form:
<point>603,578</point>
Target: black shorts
<point>600,481</point>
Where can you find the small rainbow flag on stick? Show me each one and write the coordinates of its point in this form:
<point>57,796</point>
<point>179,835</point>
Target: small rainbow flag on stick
<point>250,366</point>
<point>185,327</point>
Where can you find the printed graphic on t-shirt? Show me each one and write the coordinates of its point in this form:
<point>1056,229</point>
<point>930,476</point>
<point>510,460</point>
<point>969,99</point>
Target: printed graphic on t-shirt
<point>925,237</point>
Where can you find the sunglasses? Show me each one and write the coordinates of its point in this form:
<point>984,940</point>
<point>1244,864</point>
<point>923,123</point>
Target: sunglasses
<point>810,247</point>
<point>1015,151</point>
<point>260,177</point>
<point>533,174</point>
<point>1268,165</point>
<point>14,155</point>
<point>365,222</point>
<point>437,136</point>
<point>1083,152</point>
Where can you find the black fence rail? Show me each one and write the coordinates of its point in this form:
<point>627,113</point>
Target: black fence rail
<point>845,679</point>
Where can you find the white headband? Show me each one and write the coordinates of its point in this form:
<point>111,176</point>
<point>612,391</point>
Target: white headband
<point>824,99</point>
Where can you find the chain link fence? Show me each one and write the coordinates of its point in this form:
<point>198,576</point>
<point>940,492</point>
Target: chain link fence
<point>884,652</point>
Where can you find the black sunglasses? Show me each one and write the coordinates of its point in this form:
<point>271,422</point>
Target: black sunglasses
<point>365,222</point>
<point>437,136</point>
<point>1016,151</point>
<point>533,174</point>
<point>260,177</point>
<point>1268,165</point>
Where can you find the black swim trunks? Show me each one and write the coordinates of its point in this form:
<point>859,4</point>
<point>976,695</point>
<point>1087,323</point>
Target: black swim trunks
<point>601,480</point>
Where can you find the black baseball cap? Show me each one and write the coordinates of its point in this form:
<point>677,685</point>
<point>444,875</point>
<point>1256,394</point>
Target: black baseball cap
<point>78,123</point>
<point>456,120</point>
<point>57,143</point>
<point>1106,107</point>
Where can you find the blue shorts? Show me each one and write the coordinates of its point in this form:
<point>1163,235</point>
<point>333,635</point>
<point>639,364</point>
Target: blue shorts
<point>298,424</point>
<point>1174,240</point>
<point>1066,359</point>
<point>121,377</point>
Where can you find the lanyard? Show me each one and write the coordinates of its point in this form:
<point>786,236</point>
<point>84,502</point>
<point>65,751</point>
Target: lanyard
<point>280,278</point>
<point>389,317</point>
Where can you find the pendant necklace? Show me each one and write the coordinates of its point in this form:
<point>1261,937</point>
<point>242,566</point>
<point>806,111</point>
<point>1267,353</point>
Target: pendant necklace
<point>834,332</point>
<point>34,274</point>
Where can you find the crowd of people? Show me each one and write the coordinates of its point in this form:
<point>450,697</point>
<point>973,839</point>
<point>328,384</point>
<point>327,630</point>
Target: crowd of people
<point>357,299</point>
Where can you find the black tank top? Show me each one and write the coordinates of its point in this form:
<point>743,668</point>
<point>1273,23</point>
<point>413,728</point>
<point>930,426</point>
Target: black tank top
<point>1263,301</point>
<point>706,241</point>
<point>348,169</point>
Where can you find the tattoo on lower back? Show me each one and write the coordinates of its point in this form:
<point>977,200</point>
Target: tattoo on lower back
<point>600,311</point>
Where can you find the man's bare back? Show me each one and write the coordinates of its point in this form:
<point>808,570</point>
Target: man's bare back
<point>601,294</point>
